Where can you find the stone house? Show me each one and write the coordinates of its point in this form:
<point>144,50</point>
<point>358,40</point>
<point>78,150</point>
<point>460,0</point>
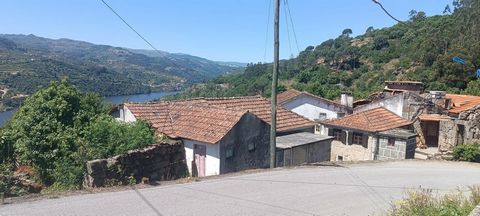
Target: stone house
<point>314,107</point>
<point>220,135</point>
<point>302,148</point>
<point>441,120</point>
<point>375,134</point>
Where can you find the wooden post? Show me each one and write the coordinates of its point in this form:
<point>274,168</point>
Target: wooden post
<point>276,58</point>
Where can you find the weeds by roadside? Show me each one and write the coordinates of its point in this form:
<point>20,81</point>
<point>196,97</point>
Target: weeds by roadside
<point>424,203</point>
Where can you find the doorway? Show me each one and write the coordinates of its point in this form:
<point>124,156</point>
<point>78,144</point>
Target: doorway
<point>199,153</point>
<point>430,131</point>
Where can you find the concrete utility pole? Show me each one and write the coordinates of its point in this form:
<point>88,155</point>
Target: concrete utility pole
<point>273,126</point>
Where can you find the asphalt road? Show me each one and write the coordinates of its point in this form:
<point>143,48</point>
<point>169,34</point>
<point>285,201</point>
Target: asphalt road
<point>357,189</point>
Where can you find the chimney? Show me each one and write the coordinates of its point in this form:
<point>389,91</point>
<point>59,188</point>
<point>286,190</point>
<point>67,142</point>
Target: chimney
<point>346,99</point>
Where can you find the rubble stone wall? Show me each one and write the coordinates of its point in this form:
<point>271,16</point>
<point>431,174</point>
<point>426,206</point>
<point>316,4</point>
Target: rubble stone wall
<point>164,161</point>
<point>472,125</point>
<point>447,136</point>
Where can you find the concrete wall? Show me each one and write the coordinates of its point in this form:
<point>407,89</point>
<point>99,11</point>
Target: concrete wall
<point>403,149</point>
<point>212,159</point>
<point>157,162</point>
<point>250,129</point>
<point>310,107</point>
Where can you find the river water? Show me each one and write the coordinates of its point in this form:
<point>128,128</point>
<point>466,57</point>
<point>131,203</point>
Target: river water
<point>4,116</point>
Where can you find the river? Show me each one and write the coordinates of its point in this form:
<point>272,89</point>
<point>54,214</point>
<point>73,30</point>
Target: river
<point>4,116</point>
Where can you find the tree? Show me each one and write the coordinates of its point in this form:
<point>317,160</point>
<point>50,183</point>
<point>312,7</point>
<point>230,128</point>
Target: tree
<point>447,10</point>
<point>347,32</point>
<point>369,30</point>
<point>417,16</point>
<point>58,128</point>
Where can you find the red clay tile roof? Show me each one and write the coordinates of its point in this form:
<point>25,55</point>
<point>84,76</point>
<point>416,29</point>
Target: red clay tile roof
<point>259,106</point>
<point>292,93</point>
<point>209,119</point>
<point>287,95</point>
<point>463,102</point>
<point>203,123</point>
<point>374,120</point>
<point>433,117</point>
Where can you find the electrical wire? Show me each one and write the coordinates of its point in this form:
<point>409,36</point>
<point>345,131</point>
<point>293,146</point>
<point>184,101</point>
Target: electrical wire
<point>287,5</point>
<point>390,15</point>
<point>266,33</point>
<point>131,27</point>
<point>287,26</point>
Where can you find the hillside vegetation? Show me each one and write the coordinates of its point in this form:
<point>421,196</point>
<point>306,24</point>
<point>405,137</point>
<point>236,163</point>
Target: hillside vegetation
<point>28,61</point>
<point>421,49</point>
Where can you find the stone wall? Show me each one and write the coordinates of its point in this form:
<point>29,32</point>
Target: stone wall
<point>403,149</point>
<point>471,119</point>
<point>250,130</point>
<point>447,136</point>
<point>164,161</point>
<point>351,152</point>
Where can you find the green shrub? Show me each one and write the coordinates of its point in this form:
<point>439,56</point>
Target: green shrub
<point>59,128</point>
<point>423,203</point>
<point>467,152</point>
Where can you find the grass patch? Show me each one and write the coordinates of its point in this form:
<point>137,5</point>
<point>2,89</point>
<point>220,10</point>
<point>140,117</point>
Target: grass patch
<point>424,203</point>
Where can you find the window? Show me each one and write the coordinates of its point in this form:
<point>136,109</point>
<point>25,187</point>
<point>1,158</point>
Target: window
<point>251,146</point>
<point>339,158</point>
<point>340,115</point>
<point>391,141</point>
<point>357,138</point>
<point>229,152</point>
<point>337,134</point>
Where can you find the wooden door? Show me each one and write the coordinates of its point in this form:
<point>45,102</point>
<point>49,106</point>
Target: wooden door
<point>430,131</point>
<point>200,152</point>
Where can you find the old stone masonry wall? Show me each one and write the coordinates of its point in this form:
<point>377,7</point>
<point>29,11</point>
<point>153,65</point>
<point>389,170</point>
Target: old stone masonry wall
<point>164,161</point>
<point>472,124</point>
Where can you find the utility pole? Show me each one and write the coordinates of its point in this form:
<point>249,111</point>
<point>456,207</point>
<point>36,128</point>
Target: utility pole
<point>276,58</point>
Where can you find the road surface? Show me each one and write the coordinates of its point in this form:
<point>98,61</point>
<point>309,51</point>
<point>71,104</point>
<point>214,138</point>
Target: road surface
<point>356,189</point>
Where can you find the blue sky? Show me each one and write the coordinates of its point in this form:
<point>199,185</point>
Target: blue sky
<point>227,30</point>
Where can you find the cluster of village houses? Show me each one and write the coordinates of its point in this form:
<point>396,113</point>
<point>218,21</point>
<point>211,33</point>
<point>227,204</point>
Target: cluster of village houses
<point>222,135</point>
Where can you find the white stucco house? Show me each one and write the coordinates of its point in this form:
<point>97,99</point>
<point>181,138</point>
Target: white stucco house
<point>314,107</point>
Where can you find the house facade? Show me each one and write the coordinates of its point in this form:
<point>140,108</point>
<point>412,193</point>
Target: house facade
<point>313,107</point>
<point>376,134</point>
<point>220,135</point>
<point>441,120</point>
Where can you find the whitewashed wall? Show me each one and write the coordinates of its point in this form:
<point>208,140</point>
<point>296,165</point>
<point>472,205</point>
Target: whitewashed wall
<point>394,104</point>
<point>310,108</point>
<point>212,160</point>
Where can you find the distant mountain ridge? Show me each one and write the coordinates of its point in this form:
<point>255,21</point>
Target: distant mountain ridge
<point>29,61</point>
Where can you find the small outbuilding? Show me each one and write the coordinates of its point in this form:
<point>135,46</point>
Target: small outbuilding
<point>302,148</point>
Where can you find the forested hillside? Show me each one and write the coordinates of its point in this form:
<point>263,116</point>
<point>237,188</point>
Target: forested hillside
<point>28,61</point>
<point>419,49</point>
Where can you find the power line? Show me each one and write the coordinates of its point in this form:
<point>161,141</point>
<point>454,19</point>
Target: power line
<point>266,33</point>
<point>293,26</point>
<point>129,26</point>
<point>390,15</point>
<point>287,25</point>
